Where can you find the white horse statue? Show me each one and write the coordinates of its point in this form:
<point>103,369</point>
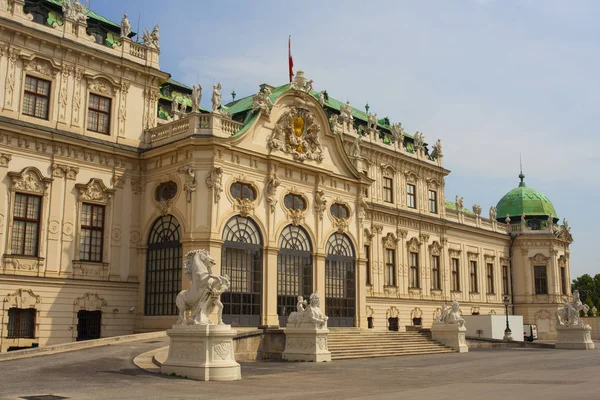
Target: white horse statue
<point>204,292</point>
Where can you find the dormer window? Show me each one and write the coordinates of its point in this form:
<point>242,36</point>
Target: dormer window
<point>339,211</point>
<point>294,202</point>
<point>240,190</point>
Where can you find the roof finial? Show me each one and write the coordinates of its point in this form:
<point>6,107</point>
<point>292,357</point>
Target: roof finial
<point>367,107</point>
<point>521,175</point>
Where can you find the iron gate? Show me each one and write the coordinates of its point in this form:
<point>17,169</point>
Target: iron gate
<point>242,261</point>
<point>340,281</point>
<point>88,325</point>
<point>294,270</point>
<point>163,267</point>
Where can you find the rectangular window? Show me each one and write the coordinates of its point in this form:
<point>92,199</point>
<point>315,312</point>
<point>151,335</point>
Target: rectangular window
<point>368,257</point>
<point>490,278</point>
<point>563,280</point>
<point>388,187</point>
<point>435,273</point>
<point>36,97</point>
<point>92,232</point>
<point>26,225</point>
<point>21,323</point>
<point>99,114</point>
<point>473,272</point>
<point>414,270</point>
<point>541,280</point>
<point>433,201</point>
<point>455,275</point>
<point>505,279</point>
<point>410,196</point>
<point>390,267</point>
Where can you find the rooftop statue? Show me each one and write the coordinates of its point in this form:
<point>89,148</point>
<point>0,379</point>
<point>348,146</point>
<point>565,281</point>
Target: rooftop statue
<point>355,151</point>
<point>437,150</point>
<point>125,27</point>
<point>151,39</point>
<point>398,133</point>
<point>450,315</point>
<point>73,9</point>
<point>493,213</point>
<point>346,112</point>
<point>419,140</point>
<point>196,97</point>
<point>459,203</point>
<point>322,98</point>
<point>261,101</point>
<point>372,121</point>
<point>569,314</point>
<point>216,97</point>
<point>205,290</point>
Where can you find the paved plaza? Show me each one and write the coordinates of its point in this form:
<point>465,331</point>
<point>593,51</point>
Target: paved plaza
<point>109,373</point>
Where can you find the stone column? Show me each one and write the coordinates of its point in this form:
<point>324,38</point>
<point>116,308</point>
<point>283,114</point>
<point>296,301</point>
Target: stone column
<point>269,296</point>
<point>319,278</point>
<point>4,163</point>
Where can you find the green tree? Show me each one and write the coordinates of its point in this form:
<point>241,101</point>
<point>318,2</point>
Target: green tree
<point>589,289</point>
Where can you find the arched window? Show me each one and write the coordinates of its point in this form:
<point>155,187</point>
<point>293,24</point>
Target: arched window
<point>339,211</point>
<point>240,190</point>
<point>340,281</point>
<point>163,267</point>
<point>241,260</point>
<point>294,270</point>
<point>294,202</point>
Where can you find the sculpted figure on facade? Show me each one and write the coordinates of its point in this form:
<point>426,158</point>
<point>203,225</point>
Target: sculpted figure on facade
<point>459,203</point>
<point>311,316</point>
<point>214,180</point>
<point>297,133</point>
<point>205,290</point>
<point>189,187</point>
<point>196,97</point>
<point>261,101</point>
<point>273,183</point>
<point>355,150</point>
<point>437,150</point>
<point>362,208</point>
<point>216,97</point>
<point>450,315</point>
<point>493,213</point>
<point>477,210</point>
<point>569,314</point>
<point>300,82</point>
<point>174,105</point>
<point>125,27</point>
<point>322,98</point>
<point>320,203</point>
<point>372,122</point>
<point>594,311</point>
<point>398,134</point>
<point>333,121</point>
<point>73,9</point>
<point>346,115</point>
<point>152,39</point>
<point>419,140</point>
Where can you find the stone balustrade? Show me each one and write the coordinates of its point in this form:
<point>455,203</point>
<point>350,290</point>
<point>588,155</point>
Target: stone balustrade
<point>192,124</point>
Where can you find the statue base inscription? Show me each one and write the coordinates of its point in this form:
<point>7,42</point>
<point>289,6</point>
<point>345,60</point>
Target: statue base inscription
<point>574,338</point>
<point>450,335</point>
<point>202,352</point>
<point>306,344</point>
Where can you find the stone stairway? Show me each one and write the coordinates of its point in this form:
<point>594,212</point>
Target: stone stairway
<point>358,343</point>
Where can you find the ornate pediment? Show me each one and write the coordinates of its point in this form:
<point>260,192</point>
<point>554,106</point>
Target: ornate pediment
<point>90,302</point>
<point>539,259</point>
<point>103,85</point>
<point>22,298</point>
<point>95,191</point>
<point>29,180</point>
<point>414,245</point>
<point>390,241</point>
<point>40,66</point>
<point>436,248</point>
<point>297,133</point>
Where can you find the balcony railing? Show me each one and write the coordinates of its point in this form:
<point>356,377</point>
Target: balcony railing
<point>193,124</point>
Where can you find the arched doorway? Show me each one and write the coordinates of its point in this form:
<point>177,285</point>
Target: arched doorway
<point>340,281</point>
<point>163,267</point>
<point>242,261</point>
<point>294,270</point>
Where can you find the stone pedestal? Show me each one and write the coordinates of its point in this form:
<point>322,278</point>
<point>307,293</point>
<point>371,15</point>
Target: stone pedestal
<point>450,335</point>
<point>574,337</point>
<point>202,352</point>
<point>306,344</point>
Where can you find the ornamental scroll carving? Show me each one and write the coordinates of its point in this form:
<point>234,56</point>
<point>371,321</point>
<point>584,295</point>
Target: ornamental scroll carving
<point>435,248</point>
<point>539,259</point>
<point>22,298</point>
<point>390,241</point>
<point>214,180</point>
<point>29,180</point>
<point>414,245</point>
<point>90,302</point>
<point>95,191</point>
<point>297,133</point>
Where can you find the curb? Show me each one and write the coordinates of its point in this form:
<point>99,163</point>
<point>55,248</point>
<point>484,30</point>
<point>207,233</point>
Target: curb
<point>148,362</point>
<point>72,346</point>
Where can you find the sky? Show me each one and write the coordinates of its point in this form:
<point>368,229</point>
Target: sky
<point>493,79</point>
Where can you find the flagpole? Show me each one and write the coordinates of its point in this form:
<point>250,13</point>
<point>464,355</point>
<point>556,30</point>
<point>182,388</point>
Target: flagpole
<point>290,59</point>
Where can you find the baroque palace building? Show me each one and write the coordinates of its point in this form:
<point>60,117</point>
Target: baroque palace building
<point>111,172</point>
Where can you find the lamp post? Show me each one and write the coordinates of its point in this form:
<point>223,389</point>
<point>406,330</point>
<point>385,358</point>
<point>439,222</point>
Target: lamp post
<point>507,331</point>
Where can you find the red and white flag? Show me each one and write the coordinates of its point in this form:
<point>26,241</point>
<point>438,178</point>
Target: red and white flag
<point>290,59</point>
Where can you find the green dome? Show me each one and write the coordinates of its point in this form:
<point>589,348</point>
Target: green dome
<point>524,200</point>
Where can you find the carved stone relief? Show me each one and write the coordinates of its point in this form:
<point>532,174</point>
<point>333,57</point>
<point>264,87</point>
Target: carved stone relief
<point>214,180</point>
<point>90,302</point>
<point>29,180</point>
<point>414,245</point>
<point>5,159</point>
<point>22,298</point>
<point>390,241</point>
<point>297,133</point>
<point>94,191</point>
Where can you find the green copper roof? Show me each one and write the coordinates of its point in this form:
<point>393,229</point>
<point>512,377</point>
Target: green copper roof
<point>523,199</point>
<point>91,14</point>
